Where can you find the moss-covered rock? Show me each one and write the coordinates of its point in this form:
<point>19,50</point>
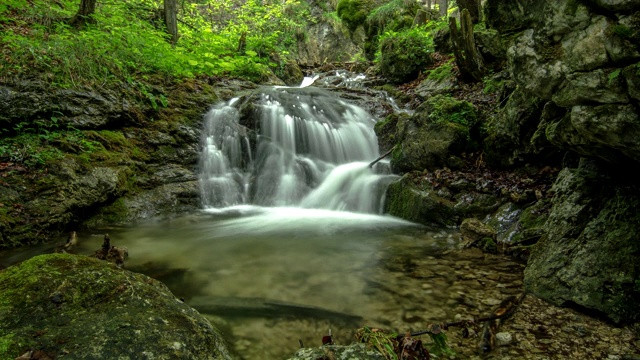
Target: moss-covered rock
<point>510,131</point>
<point>434,136</point>
<point>420,204</point>
<point>413,198</point>
<point>589,253</point>
<point>83,308</point>
<point>404,55</point>
<point>354,12</point>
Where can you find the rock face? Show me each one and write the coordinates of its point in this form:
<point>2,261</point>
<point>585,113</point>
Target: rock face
<point>327,41</point>
<point>131,160</point>
<point>575,64</point>
<point>81,308</point>
<point>589,253</point>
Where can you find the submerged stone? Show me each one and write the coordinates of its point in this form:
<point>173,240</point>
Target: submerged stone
<point>83,308</point>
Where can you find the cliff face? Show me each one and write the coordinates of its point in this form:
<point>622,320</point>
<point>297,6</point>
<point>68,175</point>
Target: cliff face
<point>580,59</point>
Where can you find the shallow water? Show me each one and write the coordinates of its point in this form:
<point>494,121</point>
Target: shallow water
<point>271,278</point>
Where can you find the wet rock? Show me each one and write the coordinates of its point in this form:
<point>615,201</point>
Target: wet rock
<point>82,109</point>
<point>78,307</point>
<point>474,230</point>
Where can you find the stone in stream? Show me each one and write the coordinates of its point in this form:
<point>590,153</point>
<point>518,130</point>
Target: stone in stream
<point>77,307</point>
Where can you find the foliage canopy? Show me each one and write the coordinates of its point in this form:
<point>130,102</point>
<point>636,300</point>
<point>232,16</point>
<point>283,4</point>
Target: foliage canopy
<point>129,41</point>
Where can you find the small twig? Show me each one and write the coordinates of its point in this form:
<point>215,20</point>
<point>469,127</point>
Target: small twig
<point>381,157</point>
<point>505,310</point>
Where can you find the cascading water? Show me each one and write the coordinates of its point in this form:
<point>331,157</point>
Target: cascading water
<point>312,150</point>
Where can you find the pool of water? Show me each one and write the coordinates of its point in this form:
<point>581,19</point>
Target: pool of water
<point>275,278</point>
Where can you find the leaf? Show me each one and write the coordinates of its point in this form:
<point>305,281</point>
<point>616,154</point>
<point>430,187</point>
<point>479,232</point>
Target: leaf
<point>193,62</point>
<point>251,53</point>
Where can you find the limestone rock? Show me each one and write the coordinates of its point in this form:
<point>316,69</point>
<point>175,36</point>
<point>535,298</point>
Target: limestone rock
<point>474,230</point>
<point>536,66</point>
<point>617,5</point>
<point>591,87</point>
<point>588,256</point>
<point>81,308</point>
<point>512,129</point>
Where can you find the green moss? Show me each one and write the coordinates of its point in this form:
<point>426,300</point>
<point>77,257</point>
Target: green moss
<point>487,244</point>
<point>623,31</point>
<point>405,54</point>
<point>447,109</point>
<point>71,299</point>
<point>353,12</point>
<point>442,72</point>
<point>5,342</point>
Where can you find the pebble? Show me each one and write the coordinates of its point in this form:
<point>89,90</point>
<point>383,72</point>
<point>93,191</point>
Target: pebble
<point>503,338</point>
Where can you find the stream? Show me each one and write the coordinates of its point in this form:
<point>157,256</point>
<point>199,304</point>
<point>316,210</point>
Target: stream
<point>291,242</point>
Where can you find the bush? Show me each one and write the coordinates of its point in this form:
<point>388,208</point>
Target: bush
<point>403,55</point>
<point>353,12</point>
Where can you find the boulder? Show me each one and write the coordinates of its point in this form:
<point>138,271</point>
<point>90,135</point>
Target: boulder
<point>511,130</point>
<point>608,132</point>
<point>414,199</point>
<point>588,256</point>
<point>473,230</point>
<point>82,308</point>
<point>598,86</point>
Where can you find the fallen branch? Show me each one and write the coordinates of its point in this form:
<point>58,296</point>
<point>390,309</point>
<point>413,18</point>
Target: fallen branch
<point>504,311</point>
<point>381,157</point>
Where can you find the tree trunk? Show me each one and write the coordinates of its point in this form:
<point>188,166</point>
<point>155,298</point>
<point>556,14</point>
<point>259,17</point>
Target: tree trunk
<point>444,6</point>
<point>429,4</point>
<point>473,6</point>
<point>468,59</point>
<point>171,19</point>
<point>84,14</point>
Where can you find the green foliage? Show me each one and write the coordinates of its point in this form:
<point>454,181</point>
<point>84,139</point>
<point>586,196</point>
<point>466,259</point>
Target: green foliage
<point>36,146</point>
<point>395,15</point>
<point>382,341</point>
<point>414,43</point>
<point>128,40</point>
<point>614,75</point>
<point>440,346</point>
<point>491,85</point>
<point>353,12</point>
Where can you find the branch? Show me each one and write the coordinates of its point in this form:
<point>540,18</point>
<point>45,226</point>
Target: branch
<point>381,157</point>
<point>504,311</point>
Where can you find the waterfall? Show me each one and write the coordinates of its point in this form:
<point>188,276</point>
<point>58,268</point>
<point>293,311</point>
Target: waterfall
<point>294,147</point>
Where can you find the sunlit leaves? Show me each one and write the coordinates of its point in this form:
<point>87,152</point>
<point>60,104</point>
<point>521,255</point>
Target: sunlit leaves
<point>128,39</point>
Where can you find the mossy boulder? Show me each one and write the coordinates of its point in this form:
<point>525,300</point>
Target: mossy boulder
<point>434,136</point>
<point>82,308</point>
<point>413,198</point>
<point>404,55</point>
<point>354,351</point>
<point>354,12</point>
<point>418,203</point>
<point>511,130</point>
<point>589,254</point>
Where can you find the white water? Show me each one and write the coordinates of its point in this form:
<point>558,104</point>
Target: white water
<point>312,150</point>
